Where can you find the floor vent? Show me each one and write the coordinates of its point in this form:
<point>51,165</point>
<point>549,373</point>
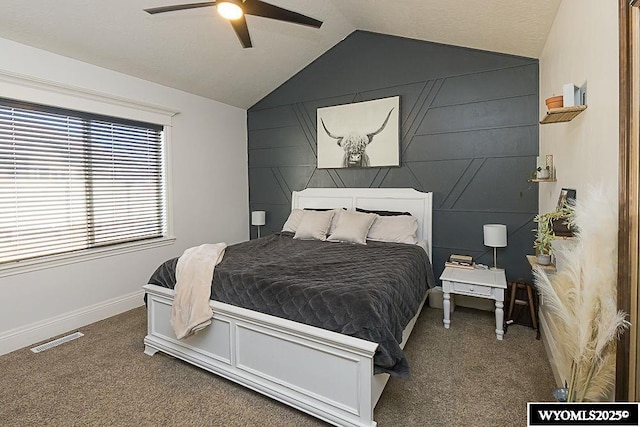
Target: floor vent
<point>57,342</point>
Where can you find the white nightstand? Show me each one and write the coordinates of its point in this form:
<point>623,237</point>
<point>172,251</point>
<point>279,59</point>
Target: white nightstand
<point>489,284</point>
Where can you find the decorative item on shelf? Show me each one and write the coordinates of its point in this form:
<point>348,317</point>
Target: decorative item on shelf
<point>554,102</point>
<point>460,261</point>
<point>544,169</point>
<point>566,200</point>
<point>545,233</point>
<point>258,218</point>
<point>495,236</point>
<point>548,160</point>
<point>571,95</point>
<point>582,304</point>
<point>543,173</point>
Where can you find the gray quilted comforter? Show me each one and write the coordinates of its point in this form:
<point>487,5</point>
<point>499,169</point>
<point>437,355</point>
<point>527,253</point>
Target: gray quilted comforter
<point>366,291</point>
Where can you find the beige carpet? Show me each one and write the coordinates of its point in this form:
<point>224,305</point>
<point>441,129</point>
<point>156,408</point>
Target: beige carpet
<point>460,377</point>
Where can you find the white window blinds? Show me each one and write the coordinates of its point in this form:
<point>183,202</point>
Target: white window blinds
<point>71,181</point>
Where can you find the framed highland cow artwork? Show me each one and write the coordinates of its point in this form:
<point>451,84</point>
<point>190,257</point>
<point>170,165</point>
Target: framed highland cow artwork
<point>359,135</point>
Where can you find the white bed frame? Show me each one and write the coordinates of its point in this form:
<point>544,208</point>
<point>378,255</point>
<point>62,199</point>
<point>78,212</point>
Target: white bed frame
<point>326,374</point>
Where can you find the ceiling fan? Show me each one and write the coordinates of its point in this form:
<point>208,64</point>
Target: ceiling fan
<point>234,11</point>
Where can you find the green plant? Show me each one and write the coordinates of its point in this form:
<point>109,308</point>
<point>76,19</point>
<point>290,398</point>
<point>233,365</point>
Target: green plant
<point>544,233</point>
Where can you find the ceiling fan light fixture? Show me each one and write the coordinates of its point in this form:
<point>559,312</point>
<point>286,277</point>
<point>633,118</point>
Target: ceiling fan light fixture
<point>230,9</point>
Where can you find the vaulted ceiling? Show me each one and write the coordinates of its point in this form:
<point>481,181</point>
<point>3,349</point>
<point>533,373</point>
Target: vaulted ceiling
<point>198,52</point>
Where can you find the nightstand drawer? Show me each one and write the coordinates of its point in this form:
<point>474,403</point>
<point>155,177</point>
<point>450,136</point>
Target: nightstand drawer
<point>468,288</point>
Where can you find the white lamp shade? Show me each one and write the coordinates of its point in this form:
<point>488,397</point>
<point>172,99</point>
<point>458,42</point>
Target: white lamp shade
<point>495,235</point>
<point>258,217</point>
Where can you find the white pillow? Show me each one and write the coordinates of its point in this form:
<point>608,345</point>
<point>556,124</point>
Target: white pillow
<point>396,229</point>
<point>293,221</point>
<point>352,227</point>
<point>314,225</point>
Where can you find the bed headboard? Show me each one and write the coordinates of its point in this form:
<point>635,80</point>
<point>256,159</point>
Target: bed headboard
<point>409,200</point>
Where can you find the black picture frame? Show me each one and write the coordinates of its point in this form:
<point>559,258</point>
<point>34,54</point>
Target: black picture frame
<point>567,195</point>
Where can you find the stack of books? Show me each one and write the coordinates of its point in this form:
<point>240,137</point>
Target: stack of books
<point>460,261</point>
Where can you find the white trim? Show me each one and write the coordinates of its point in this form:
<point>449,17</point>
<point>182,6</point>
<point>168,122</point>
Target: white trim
<point>28,265</point>
<point>168,178</point>
<point>46,92</point>
<point>33,89</point>
<point>30,334</point>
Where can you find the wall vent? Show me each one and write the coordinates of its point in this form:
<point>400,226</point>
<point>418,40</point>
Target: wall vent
<point>57,342</point>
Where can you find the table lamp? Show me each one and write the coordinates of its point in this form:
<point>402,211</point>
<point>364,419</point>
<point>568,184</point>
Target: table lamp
<point>495,236</point>
<point>258,219</point>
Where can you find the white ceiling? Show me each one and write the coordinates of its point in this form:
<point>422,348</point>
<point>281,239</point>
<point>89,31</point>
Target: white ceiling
<point>198,52</point>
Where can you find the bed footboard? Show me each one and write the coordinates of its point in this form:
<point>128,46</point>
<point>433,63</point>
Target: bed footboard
<point>323,373</point>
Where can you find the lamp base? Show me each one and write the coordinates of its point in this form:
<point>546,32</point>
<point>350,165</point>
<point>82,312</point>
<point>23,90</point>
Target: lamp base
<point>495,261</point>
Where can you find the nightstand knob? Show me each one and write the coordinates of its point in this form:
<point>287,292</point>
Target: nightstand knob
<point>471,288</point>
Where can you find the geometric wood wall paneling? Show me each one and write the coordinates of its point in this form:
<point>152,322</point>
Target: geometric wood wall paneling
<point>496,142</point>
<point>265,187</point>
<point>441,176</point>
<point>307,123</point>
<point>296,178</point>
<point>322,179</point>
<point>500,184</point>
<point>506,112</point>
<point>352,177</point>
<point>490,85</point>
<point>399,177</point>
<point>417,115</point>
<point>468,128</point>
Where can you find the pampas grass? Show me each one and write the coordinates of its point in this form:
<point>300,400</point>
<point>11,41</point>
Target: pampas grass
<point>581,301</point>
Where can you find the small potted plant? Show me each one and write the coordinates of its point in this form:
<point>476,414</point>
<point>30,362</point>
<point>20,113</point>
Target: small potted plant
<point>544,237</point>
<point>545,234</point>
<point>543,173</point>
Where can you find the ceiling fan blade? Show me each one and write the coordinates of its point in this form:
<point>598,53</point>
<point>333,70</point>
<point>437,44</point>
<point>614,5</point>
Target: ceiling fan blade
<point>163,9</point>
<point>242,31</point>
<point>266,10</point>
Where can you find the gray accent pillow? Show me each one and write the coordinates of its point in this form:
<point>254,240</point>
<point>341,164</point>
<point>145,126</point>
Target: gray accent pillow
<point>396,229</point>
<point>314,225</point>
<point>352,227</point>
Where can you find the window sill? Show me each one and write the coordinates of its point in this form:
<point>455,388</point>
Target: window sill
<point>19,267</point>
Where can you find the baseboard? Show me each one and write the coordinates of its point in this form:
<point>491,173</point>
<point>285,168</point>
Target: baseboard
<point>35,332</point>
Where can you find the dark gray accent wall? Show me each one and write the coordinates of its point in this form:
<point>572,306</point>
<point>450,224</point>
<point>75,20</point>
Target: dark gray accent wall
<point>469,133</point>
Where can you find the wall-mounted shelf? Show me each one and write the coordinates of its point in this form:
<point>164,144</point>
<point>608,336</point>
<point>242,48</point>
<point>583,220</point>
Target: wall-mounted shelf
<point>542,180</point>
<point>534,263</point>
<point>564,114</point>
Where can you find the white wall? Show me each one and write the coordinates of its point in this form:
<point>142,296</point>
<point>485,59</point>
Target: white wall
<point>210,203</point>
<point>582,46</point>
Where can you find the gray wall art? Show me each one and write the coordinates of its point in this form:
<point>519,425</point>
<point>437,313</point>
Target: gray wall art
<point>360,134</point>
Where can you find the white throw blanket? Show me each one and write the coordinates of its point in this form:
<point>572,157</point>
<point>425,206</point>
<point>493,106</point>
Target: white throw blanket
<point>191,311</point>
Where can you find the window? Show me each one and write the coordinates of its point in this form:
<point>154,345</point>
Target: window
<point>71,181</point>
